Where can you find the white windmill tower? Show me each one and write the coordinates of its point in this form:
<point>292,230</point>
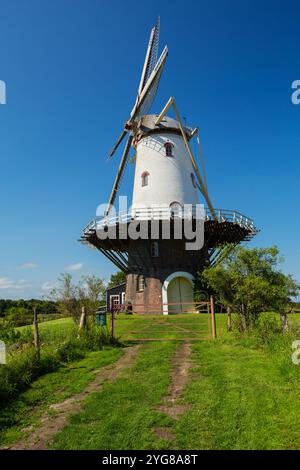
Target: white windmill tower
<point>161,271</point>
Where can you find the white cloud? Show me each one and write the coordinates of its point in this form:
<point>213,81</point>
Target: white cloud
<point>74,267</point>
<point>29,266</point>
<point>10,284</point>
<point>48,285</point>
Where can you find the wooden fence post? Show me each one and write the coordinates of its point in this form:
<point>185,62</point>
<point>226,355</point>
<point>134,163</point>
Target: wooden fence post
<point>229,319</point>
<point>112,323</point>
<point>208,319</point>
<point>36,337</point>
<point>213,318</point>
<point>284,321</point>
<point>82,320</point>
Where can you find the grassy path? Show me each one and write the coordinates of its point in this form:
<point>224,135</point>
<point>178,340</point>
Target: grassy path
<point>236,397</point>
<point>22,416</point>
<point>224,394</point>
<point>125,413</point>
<point>52,423</point>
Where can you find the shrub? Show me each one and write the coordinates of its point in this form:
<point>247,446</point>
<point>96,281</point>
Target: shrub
<point>95,337</point>
<point>250,283</point>
<point>9,335</point>
<point>268,329</point>
<point>70,350</point>
<point>18,373</point>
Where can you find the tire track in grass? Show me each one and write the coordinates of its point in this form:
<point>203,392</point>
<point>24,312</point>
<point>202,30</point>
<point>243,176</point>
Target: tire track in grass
<point>240,399</point>
<point>52,424</point>
<point>171,403</point>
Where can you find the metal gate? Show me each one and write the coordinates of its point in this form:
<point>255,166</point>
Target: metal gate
<point>195,323</point>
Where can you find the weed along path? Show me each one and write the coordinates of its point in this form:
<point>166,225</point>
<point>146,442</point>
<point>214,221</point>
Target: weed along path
<point>53,422</point>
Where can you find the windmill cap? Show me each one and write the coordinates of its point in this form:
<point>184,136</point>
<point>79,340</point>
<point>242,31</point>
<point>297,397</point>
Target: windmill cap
<point>167,124</point>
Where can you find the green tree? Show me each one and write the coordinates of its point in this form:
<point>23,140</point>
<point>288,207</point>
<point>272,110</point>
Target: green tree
<point>90,291</point>
<point>116,279</point>
<point>44,306</point>
<point>71,297</point>
<point>249,282</point>
<point>18,316</point>
<point>65,295</point>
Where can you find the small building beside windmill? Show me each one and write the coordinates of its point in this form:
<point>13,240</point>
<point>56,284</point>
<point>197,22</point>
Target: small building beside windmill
<point>115,296</point>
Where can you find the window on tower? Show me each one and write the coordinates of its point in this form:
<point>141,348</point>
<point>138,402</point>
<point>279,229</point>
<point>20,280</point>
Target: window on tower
<point>140,283</point>
<point>154,249</point>
<point>145,178</point>
<point>169,149</point>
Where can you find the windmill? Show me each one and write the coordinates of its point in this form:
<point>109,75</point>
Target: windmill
<point>159,270</point>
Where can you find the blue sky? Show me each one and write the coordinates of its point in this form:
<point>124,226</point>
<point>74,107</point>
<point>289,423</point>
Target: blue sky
<point>72,69</point>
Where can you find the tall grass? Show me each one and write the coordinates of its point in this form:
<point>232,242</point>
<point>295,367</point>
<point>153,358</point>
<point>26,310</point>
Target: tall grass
<point>59,346</point>
<point>269,337</point>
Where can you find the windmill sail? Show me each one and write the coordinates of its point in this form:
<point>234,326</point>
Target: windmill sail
<point>123,133</point>
<point>151,56</point>
<point>119,174</point>
<point>149,82</point>
<point>148,94</point>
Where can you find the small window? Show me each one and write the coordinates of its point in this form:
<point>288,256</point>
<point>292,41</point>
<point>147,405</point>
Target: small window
<point>193,180</point>
<point>169,149</point>
<point>154,249</point>
<point>140,282</point>
<point>145,178</point>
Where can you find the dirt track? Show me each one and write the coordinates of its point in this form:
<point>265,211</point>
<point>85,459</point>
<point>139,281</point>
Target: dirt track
<point>39,438</point>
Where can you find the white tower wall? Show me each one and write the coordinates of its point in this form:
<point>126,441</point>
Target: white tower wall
<point>169,178</point>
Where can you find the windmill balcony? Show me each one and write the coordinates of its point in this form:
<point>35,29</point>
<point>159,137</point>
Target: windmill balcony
<point>166,213</point>
<point>230,228</point>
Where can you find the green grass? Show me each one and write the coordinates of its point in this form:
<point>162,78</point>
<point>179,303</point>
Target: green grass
<point>241,395</point>
<point>123,415</point>
<point>60,344</point>
<point>131,327</point>
<point>51,388</point>
<point>241,398</point>
<point>53,331</point>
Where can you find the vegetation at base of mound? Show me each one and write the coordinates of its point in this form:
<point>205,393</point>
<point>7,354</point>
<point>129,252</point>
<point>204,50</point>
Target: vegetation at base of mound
<point>58,347</point>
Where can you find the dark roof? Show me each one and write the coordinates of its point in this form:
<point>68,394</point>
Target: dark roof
<point>114,287</point>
